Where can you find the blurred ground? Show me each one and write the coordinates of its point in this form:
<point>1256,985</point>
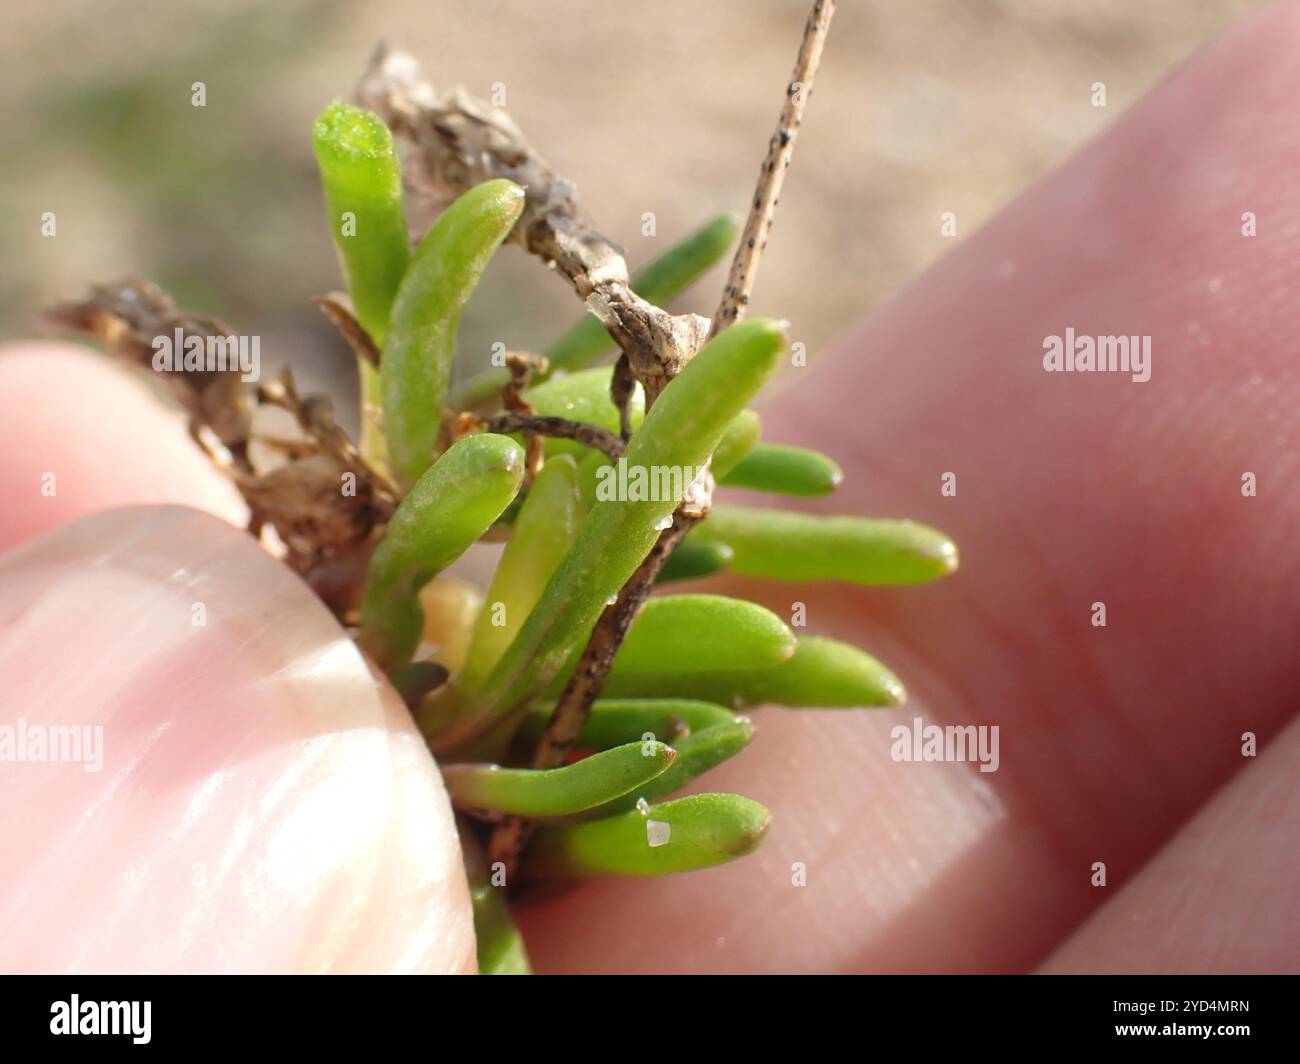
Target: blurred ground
<point>921,108</point>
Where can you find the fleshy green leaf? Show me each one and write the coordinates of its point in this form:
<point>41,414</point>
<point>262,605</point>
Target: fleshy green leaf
<point>449,508</point>
<point>698,831</point>
<point>695,559</point>
<point>784,470</point>
<point>501,949</point>
<point>860,550</point>
<point>703,633</point>
<point>698,633</point>
<point>557,792</point>
<point>589,478</point>
<point>616,721</point>
<point>426,315</point>
<point>363,194</point>
<point>362,183</point>
<point>822,672</point>
<point>740,439</point>
<point>544,530</point>
<point>680,431</point>
<point>696,754</point>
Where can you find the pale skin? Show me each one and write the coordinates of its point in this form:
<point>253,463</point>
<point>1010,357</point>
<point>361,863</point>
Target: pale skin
<point>1120,745</point>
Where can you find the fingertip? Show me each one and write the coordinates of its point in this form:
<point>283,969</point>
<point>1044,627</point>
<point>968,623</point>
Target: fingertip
<point>243,794</point>
<point>79,433</point>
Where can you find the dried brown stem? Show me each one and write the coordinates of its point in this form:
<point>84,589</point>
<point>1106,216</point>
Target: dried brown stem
<point>622,386</point>
<point>522,365</point>
<point>574,706</point>
<point>461,141</point>
<point>326,503</point>
<point>575,702</point>
<point>127,317</point>
<point>771,176</point>
<point>337,307</point>
<point>591,435</point>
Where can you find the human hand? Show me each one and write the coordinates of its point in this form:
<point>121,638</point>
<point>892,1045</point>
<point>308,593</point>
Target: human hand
<point>1072,489</point>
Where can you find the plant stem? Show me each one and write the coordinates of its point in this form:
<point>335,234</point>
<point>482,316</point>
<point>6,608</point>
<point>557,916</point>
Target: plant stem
<point>588,340</point>
<point>571,711</point>
<point>591,435</point>
<point>460,142</point>
<point>574,704</point>
<point>771,176</point>
<point>680,432</point>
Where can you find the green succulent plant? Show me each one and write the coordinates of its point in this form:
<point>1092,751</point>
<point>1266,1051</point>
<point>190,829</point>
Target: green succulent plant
<point>667,713</point>
<point>566,706</point>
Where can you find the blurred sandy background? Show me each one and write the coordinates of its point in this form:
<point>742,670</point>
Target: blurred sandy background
<point>922,107</point>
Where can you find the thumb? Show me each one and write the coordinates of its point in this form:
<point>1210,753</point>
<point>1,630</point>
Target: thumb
<point>198,771</point>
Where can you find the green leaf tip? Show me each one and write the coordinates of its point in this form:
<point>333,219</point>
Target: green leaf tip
<point>694,559</point>
<point>687,634</point>
<point>784,470</point>
<point>557,792</point>
<point>795,546</point>
<point>822,673</point>
<point>694,633</point>
<point>696,754</point>
<point>362,183</point>
<point>347,131</point>
<point>449,508</point>
<point>426,315</point>
<point>698,831</point>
